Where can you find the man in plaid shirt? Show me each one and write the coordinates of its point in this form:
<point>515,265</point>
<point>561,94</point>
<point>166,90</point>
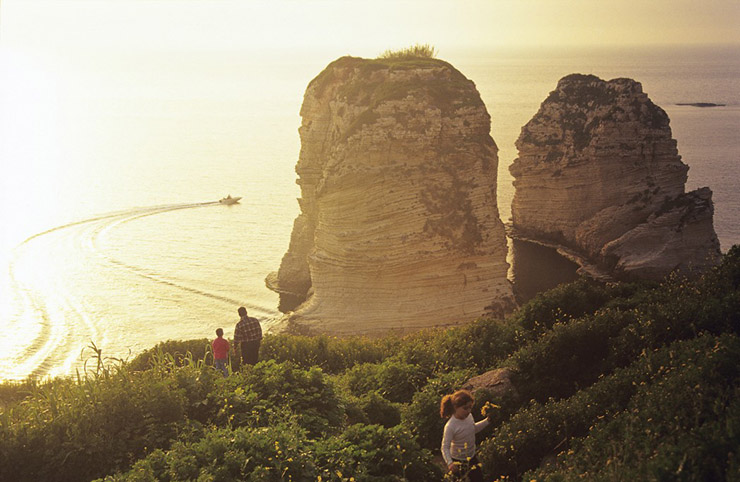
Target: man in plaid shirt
<point>248,336</point>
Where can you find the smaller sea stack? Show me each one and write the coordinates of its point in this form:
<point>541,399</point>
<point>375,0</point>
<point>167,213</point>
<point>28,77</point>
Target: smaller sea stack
<point>599,172</point>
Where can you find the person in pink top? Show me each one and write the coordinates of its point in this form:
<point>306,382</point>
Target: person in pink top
<point>458,439</point>
<point>220,347</point>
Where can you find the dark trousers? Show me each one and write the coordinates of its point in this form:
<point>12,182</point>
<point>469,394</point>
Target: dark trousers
<point>469,470</point>
<point>250,351</point>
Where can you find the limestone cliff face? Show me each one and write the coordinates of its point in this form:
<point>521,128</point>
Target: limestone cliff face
<point>599,171</point>
<point>399,227</point>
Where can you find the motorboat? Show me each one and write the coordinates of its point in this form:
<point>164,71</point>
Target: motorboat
<point>229,200</point>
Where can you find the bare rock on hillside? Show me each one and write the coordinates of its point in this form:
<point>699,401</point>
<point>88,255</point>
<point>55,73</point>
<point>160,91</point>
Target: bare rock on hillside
<point>497,382</point>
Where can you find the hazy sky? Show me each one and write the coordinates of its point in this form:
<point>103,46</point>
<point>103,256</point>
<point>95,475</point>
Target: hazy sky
<point>61,56</point>
<point>363,28</point>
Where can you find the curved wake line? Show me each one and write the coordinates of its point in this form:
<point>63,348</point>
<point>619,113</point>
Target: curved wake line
<point>143,273</point>
<point>143,211</point>
<point>59,316</point>
<point>161,280</point>
<point>41,346</point>
<point>125,216</point>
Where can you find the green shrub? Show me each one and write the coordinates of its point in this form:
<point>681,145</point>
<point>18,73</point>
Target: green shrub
<point>560,304</point>
<point>67,430</point>
<point>681,308</point>
<point>569,356</point>
<point>540,430</point>
<point>378,410</point>
<point>682,423</point>
<point>574,353</point>
<point>331,354</point>
<point>178,351</point>
<point>247,397</point>
<point>12,392</point>
<point>277,452</point>
<point>375,453</point>
<point>396,381</point>
<point>480,345</point>
<point>283,451</point>
<point>196,383</point>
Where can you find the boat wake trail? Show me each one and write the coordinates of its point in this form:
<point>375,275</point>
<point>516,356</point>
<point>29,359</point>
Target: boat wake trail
<point>94,242</point>
<point>50,274</point>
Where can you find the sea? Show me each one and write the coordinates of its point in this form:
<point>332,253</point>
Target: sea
<point>113,239</point>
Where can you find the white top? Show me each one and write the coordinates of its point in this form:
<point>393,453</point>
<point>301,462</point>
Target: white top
<point>458,440</point>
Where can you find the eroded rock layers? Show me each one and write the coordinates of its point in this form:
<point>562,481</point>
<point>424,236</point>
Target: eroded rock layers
<point>599,171</point>
<point>399,227</point>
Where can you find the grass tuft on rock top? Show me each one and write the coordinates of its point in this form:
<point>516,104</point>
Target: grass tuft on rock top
<point>424,51</point>
<point>632,381</point>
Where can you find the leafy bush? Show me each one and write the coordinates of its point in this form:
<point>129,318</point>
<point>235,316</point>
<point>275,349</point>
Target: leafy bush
<point>681,423</point>
<point>67,430</point>
<point>374,453</point>
<point>248,397</point>
<point>276,452</point>
<point>331,354</point>
<point>560,304</point>
<point>377,410</point>
<point>396,381</point>
<point>572,354</point>
<point>480,345</point>
<point>283,451</point>
<point>569,356</point>
<point>539,430</point>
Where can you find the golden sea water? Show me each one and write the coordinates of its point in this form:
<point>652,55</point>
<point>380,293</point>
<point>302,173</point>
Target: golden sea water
<point>112,235</point>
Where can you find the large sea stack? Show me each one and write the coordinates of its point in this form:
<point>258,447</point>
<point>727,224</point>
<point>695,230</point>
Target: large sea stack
<point>399,227</point>
<point>599,172</point>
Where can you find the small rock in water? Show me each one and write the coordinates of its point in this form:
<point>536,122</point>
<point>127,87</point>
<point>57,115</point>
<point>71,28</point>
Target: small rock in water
<point>701,104</point>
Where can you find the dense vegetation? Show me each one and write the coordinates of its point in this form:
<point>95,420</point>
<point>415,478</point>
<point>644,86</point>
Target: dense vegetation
<point>615,382</point>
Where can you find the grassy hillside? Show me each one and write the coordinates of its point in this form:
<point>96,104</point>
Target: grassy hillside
<point>615,382</point>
